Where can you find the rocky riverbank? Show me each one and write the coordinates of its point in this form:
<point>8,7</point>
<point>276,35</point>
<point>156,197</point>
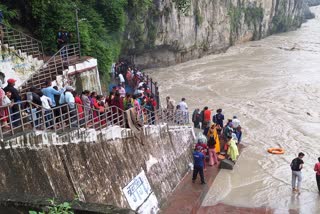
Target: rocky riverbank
<point>313,2</point>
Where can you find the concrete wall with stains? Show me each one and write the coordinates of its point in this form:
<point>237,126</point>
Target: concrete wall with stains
<point>84,76</point>
<point>17,65</point>
<point>94,165</point>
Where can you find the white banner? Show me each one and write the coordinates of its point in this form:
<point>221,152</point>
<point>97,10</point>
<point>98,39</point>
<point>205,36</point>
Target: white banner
<point>138,190</point>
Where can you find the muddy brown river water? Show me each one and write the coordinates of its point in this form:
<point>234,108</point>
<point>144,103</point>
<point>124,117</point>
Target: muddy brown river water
<point>273,86</point>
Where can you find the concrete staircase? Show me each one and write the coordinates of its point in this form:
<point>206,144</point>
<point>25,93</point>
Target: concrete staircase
<point>17,64</point>
<point>25,59</point>
<point>54,67</point>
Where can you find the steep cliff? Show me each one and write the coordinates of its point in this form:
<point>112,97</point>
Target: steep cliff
<point>179,30</point>
<point>313,2</point>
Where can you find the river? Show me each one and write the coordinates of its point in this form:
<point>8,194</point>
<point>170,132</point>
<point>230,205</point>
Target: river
<point>273,86</point>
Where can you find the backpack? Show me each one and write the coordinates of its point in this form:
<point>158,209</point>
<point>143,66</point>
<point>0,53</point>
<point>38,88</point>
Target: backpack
<point>211,142</point>
<point>295,164</point>
<point>214,118</point>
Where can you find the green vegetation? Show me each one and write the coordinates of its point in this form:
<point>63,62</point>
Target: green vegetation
<point>183,6</point>
<point>9,14</point>
<point>102,23</point>
<point>235,14</point>
<point>54,208</point>
<point>252,15</point>
<point>140,28</point>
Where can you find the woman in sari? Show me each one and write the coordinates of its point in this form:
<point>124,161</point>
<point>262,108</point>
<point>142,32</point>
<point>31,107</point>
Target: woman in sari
<point>214,133</point>
<point>233,151</point>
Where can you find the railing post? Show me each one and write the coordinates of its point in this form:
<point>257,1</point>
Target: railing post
<point>84,116</point>
<point>61,117</point>
<point>76,114</point>
<point>157,96</point>
<point>151,85</point>
<point>20,116</point>
<point>32,118</point>
<point>43,116</point>
<point>68,115</point>
<point>54,120</point>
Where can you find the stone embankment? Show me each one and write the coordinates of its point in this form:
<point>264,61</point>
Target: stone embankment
<point>94,166</point>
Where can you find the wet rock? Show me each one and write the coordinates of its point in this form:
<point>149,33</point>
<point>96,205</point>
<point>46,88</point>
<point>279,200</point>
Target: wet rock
<point>313,2</point>
<point>307,12</point>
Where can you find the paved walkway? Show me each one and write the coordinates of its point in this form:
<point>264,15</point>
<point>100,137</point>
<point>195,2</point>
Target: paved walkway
<point>187,199</point>
<point>188,196</point>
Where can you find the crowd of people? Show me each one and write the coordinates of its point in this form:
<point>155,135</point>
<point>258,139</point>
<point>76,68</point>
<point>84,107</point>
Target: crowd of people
<point>79,109</point>
<point>217,140</point>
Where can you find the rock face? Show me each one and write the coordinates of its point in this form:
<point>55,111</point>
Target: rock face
<point>313,2</point>
<point>91,166</point>
<point>307,12</point>
<point>186,29</point>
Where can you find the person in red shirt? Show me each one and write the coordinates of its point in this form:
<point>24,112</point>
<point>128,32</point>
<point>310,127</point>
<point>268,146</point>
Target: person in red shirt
<point>117,110</point>
<point>79,103</point>
<point>317,170</point>
<point>206,117</point>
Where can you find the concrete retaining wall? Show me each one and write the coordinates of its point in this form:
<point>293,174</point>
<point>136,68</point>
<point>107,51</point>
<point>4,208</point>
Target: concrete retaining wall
<point>95,166</point>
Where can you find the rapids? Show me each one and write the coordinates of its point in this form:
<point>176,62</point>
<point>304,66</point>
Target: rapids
<point>273,86</point>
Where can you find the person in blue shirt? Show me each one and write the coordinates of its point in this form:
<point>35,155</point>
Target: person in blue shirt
<point>49,91</point>
<point>218,118</point>
<point>198,158</point>
<point>238,133</point>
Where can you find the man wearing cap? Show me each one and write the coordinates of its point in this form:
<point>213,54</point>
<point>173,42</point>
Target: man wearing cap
<point>15,96</point>
<point>198,161</point>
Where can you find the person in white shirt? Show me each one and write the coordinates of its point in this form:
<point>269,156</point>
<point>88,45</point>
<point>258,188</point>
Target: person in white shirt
<point>139,90</point>
<point>68,98</point>
<point>140,84</point>
<point>183,105</point>
<point>46,104</point>
<point>184,109</point>
<point>121,79</point>
<point>235,122</point>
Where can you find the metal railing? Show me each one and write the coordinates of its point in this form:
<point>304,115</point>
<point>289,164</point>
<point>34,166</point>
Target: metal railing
<point>27,116</point>
<point>143,78</point>
<point>21,41</point>
<point>163,116</point>
<point>60,61</point>
<point>23,116</point>
<point>153,87</point>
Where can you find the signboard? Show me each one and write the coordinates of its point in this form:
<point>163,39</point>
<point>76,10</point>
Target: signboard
<point>138,191</point>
